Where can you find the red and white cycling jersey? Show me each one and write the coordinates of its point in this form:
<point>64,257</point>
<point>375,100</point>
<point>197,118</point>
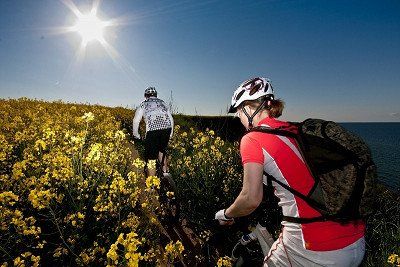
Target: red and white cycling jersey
<point>281,158</point>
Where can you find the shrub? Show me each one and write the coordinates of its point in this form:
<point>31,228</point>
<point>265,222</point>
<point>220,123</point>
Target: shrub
<point>71,192</point>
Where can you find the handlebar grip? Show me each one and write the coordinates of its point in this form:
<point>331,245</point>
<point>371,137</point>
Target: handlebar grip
<point>248,238</point>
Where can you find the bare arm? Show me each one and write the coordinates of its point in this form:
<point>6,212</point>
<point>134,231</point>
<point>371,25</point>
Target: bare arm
<point>252,191</point>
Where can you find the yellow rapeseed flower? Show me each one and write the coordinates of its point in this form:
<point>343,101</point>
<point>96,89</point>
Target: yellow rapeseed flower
<point>85,257</point>
<point>40,145</point>
<point>18,170</point>
<point>224,262</point>
<point>19,262</point>
<point>119,135</point>
<point>151,164</point>
<point>133,260</point>
<point>132,177</point>
<point>393,258</point>
<point>40,199</point>
<point>173,250</point>
<point>8,197</point>
<point>95,152</point>
<point>49,134</point>
<point>138,163</point>
<point>88,117</point>
<point>112,253</point>
<point>153,181</point>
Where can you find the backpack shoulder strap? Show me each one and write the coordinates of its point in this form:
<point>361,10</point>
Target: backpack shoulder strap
<point>308,200</point>
<point>320,208</point>
<point>284,131</point>
<point>277,131</point>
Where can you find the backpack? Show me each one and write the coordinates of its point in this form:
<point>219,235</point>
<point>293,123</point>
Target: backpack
<point>340,163</point>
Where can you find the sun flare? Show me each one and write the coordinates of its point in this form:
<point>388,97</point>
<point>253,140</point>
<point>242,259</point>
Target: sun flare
<point>90,27</point>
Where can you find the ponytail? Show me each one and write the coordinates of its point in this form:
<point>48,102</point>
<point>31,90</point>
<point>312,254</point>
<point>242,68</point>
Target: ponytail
<point>275,108</point>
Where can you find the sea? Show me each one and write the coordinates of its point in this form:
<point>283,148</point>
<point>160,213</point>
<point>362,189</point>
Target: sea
<point>384,140</point>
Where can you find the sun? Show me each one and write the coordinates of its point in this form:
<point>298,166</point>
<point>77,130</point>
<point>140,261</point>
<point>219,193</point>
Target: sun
<point>90,27</point>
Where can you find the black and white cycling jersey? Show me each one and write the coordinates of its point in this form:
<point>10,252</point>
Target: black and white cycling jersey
<point>156,115</point>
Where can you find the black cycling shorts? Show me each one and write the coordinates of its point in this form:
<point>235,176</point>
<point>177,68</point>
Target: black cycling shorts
<point>156,141</point>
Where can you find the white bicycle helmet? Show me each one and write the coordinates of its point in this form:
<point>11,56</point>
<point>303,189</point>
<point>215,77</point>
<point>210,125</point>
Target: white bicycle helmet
<point>150,91</point>
<point>251,89</point>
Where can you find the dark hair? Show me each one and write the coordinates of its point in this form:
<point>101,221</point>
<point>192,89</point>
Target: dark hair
<point>275,107</point>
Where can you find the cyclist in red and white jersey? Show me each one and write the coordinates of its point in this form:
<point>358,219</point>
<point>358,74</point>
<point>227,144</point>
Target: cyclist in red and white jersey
<point>322,243</point>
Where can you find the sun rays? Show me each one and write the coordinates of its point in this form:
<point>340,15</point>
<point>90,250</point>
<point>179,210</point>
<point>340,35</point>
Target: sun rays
<point>89,25</point>
<point>91,29</point>
<point>94,29</point>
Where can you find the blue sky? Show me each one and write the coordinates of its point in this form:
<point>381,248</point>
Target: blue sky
<point>337,60</point>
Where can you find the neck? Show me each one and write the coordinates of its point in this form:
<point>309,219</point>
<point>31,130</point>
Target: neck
<point>262,114</point>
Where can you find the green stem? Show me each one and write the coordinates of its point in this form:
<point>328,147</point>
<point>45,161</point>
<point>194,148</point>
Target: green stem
<point>61,234</point>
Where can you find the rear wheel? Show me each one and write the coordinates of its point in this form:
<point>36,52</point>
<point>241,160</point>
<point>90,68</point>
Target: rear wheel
<point>168,198</point>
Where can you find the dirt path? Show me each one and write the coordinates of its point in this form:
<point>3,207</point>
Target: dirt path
<point>176,229</point>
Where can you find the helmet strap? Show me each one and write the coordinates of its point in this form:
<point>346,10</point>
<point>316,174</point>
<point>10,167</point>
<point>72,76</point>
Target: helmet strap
<point>250,118</point>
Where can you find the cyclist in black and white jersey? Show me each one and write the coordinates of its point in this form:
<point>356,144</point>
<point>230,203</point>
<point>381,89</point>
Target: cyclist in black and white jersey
<point>159,126</point>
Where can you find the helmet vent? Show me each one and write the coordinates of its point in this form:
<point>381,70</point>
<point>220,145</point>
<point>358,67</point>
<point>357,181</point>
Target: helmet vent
<point>255,88</point>
<point>240,94</point>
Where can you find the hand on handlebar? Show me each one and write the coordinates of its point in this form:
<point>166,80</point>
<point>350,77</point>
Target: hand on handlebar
<point>222,219</point>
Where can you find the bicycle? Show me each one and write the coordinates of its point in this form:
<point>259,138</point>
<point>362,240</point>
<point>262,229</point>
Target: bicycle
<point>252,248</point>
<point>247,253</point>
